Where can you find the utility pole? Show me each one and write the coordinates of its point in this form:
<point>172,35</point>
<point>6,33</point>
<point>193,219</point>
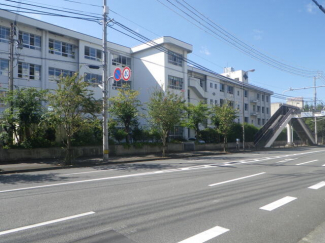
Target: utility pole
<point>315,99</point>
<point>11,57</point>
<point>105,84</point>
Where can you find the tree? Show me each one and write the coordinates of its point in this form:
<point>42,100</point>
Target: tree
<point>124,107</point>
<point>196,115</point>
<point>165,110</point>
<point>23,117</point>
<point>223,117</point>
<point>73,106</point>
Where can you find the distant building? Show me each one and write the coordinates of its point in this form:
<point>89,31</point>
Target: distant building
<point>296,101</point>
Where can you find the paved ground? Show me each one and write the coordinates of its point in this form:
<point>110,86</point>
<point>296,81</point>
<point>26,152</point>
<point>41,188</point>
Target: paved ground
<point>49,164</point>
<point>229,197</point>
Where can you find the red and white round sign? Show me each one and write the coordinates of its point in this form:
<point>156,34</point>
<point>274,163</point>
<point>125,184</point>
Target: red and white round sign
<point>126,74</point>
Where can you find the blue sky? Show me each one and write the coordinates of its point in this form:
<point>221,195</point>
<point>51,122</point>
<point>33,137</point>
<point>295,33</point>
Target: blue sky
<point>291,32</point>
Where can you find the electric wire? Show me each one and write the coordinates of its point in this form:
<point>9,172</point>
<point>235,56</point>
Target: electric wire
<point>247,51</point>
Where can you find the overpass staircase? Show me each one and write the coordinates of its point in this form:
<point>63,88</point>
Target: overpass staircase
<point>272,129</point>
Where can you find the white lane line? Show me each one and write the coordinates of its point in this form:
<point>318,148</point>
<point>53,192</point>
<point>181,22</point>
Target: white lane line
<point>323,165</point>
<point>206,235</point>
<point>241,178</point>
<point>285,160</point>
<point>318,185</point>
<point>45,223</point>
<point>308,162</point>
<point>278,203</point>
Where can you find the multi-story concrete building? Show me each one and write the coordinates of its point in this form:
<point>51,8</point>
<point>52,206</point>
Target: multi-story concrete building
<point>49,51</point>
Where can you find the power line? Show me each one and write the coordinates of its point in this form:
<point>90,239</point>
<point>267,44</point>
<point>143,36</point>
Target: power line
<point>235,42</point>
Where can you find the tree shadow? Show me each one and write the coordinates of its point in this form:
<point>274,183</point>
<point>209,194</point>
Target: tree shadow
<point>23,178</point>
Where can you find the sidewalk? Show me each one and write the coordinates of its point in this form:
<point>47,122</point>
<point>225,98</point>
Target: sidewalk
<point>52,164</point>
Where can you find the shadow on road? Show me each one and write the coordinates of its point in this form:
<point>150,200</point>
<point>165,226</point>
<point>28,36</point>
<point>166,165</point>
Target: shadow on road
<point>21,178</point>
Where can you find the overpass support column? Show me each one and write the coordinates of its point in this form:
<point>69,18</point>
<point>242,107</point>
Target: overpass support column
<point>289,135</point>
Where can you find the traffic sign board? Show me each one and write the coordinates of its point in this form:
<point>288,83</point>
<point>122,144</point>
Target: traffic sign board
<point>126,73</point>
<point>117,74</point>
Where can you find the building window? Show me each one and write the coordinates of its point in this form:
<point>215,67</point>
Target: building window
<point>4,34</point>
<point>4,67</point>
<point>175,82</point>
<point>238,92</point>
<point>246,93</point>
<point>254,108</point>
<point>238,107</point>
<point>258,121</point>
<point>262,97</point>
<point>258,108</point>
<point>93,54</point>
<point>211,85</point>
<point>61,48</point>
<point>267,98</point>
<point>263,122</point>
<point>222,88</point>
<point>258,96</point>
<point>56,74</point>
<point>267,110</point>
<point>211,102</point>
<point>30,41</point>
<point>215,86</point>
<point>221,102</point>
<point>246,119</point>
<point>246,107</point>
<point>230,89</point>
<point>216,102</point>
<point>93,78</point>
<point>262,109</point>
<point>175,58</point>
<point>119,60</point>
<point>231,104</point>
<point>29,71</point>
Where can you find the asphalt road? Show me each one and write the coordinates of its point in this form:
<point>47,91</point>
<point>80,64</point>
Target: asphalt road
<point>274,196</point>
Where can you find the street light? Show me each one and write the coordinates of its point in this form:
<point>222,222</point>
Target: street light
<point>245,77</point>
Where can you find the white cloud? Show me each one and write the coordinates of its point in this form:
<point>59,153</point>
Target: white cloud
<point>258,34</point>
<point>204,50</point>
<point>311,7</point>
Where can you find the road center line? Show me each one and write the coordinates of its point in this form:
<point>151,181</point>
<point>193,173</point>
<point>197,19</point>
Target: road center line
<point>45,223</point>
<point>308,162</point>
<point>206,235</point>
<point>241,178</point>
<point>278,203</point>
<point>318,185</point>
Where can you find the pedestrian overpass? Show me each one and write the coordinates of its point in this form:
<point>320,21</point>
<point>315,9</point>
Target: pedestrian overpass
<point>286,116</point>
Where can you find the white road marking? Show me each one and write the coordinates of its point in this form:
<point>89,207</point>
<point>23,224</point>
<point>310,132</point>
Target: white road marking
<point>318,185</point>
<point>308,162</point>
<point>323,165</point>
<point>278,203</point>
<point>285,160</point>
<point>206,235</point>
<point>45,223</point>
<point>241,178</point>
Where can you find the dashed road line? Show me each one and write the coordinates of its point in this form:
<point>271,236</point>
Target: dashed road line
<point>206,235</point>
<point>278,203</point>
<point>308,162</point>
<point>318,185</point>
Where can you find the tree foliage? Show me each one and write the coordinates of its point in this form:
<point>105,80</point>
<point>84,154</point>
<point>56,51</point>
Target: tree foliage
<point>72,107</point>
<point>196,116</point>
<point>125,108</point>
<point>165,110</point>
<point>223,118</point>
<point>24,114</point>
